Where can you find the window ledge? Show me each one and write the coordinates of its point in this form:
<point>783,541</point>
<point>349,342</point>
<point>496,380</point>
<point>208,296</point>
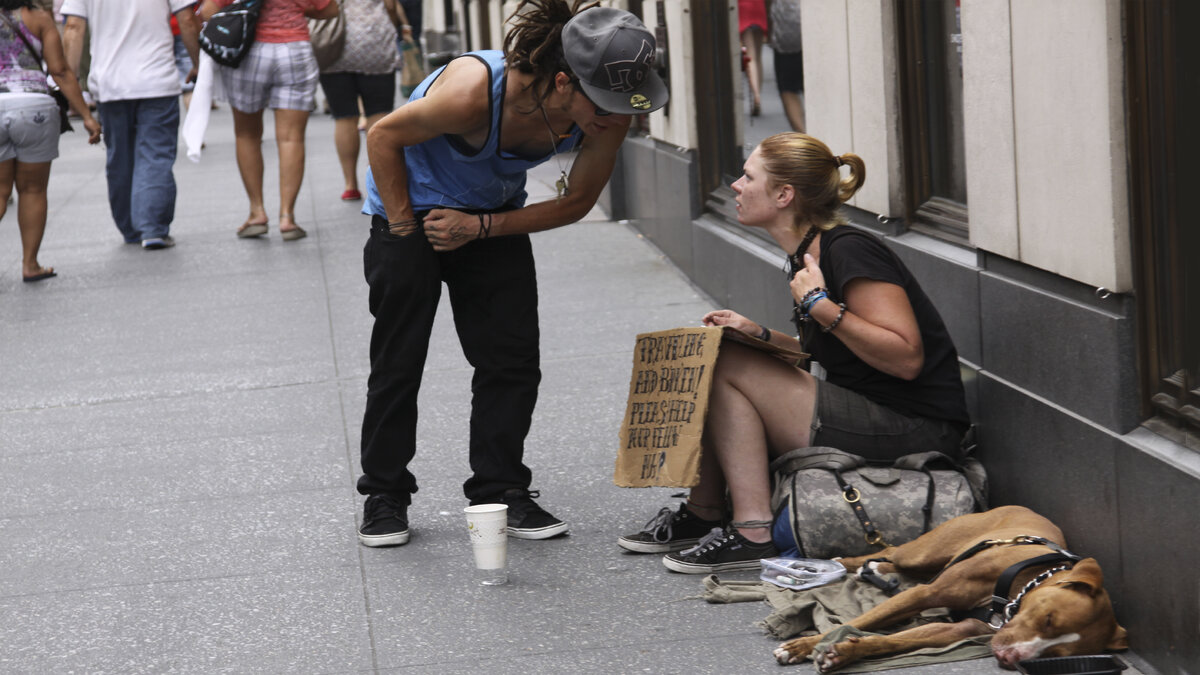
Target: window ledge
<point>1168,451</point>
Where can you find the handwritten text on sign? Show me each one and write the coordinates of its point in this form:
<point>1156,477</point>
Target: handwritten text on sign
<point>668,399</point>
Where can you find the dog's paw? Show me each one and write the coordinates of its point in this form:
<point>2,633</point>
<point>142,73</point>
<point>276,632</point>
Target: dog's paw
<point>872,567</point>
<point>837,656</point>
<point>795,651</point>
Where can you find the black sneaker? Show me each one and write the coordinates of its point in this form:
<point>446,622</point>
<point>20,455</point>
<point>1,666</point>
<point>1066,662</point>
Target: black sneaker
<point>668,531</point>
<point>385,522</point>
<point>527,520</point>
<point>720,551</point>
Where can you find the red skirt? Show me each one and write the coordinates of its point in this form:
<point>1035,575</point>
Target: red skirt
<point>752,13</point>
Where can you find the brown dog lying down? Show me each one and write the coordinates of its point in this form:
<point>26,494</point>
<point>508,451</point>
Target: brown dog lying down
<point>1066,614</point>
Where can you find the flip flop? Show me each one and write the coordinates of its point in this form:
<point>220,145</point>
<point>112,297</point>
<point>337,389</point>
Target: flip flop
<point>251,230</point>
<point>39,277</point>
<point>293,234</point>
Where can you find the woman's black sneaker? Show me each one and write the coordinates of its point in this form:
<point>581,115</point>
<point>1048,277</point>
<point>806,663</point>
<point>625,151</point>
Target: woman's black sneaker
<point>385,521</point>
<point>668,531</point>
<point>527,520</point>
<point>720,551</point>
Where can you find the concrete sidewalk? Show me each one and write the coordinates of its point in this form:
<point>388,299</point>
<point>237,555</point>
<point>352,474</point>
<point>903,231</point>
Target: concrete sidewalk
<point>179,439</point>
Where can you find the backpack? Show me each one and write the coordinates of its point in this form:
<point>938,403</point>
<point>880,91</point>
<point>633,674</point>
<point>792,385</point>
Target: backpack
<point>229,33</point>
<point>831,503</point>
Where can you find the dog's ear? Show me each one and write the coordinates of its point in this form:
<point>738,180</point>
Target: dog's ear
<point>1085,576</point>
<point>1118,641</point>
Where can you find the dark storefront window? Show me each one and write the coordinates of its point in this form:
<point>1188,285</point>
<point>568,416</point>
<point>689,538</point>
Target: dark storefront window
<point>932,85</point>
<point>1164,102</point>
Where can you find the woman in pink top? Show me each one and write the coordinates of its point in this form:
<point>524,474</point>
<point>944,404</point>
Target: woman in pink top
<point>279,72</point>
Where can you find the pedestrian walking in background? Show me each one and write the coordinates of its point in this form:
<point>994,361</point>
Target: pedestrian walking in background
<point>446,196</point>
<point>413,13</point>
<point>364,74</point>
<point>279,72</point>
<point>789,59</point>
<point>134,81</point>
<point>752,29</point>
<point>30,121</point>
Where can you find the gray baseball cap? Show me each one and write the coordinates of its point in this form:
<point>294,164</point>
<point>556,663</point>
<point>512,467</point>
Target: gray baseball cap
<point>612,54</point>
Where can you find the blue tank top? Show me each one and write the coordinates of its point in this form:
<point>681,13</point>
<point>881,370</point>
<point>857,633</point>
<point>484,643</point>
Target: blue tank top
<point>444,172</point>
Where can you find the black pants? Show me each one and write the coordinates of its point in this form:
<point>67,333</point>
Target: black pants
<point>493,294</point>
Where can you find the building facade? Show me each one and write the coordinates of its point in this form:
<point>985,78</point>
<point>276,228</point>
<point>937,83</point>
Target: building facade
<point>1028,161</point>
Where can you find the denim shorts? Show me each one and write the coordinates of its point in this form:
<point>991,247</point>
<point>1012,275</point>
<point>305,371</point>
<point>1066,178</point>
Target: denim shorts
<point>276,75</point>
<point>28,128</point>
<point>853,423</point>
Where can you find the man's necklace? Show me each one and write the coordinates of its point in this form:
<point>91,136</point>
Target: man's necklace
<point>561,184</point>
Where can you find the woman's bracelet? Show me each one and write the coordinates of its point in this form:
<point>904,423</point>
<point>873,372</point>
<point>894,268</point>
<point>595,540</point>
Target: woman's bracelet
<point>765,335</point>
<point>811,298</point>
<point>841,313</point>
<point>811,292</point>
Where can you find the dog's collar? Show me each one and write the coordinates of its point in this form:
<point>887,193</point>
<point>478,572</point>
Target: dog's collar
<point>1001,616</point>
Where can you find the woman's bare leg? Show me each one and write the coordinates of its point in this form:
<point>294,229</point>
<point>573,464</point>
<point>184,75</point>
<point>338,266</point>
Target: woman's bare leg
<point>289,136</point>
<point>346,140</point>
<point>31,180</point>
<point>759,407</point>
<point>793,107</point>
<point>248,131</point>
<point>752,40</point>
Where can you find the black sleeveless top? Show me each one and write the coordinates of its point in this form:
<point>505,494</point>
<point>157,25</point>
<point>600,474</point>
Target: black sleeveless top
<point>937,392</point>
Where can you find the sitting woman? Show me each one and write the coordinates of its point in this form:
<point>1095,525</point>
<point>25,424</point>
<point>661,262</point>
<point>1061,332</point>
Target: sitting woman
<point>892,382</point>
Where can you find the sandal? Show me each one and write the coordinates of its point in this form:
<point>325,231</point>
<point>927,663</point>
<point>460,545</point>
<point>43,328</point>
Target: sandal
<point>293,234</point>
<point>251,230</point>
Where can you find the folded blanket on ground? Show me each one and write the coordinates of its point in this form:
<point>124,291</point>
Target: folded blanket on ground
<point>830,607</point>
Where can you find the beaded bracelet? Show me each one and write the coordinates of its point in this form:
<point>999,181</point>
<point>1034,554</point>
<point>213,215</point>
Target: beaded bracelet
<point>841,313</point>
<point>805,301</point>
<point>811,299</point>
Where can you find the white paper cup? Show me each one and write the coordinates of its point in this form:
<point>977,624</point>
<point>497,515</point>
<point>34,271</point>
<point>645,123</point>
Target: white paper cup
<point>487,525</point>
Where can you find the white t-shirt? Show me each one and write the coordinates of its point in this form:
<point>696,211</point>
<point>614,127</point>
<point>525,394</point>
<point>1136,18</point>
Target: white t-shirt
<point>133,52</point>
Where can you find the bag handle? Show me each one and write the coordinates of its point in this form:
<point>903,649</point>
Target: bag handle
<point>854,499</point>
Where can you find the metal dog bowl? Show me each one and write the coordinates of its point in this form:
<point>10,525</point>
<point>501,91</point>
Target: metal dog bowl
<point>1106,664</point>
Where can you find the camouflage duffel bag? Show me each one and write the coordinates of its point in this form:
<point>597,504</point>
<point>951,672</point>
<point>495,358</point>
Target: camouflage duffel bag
<point>831,503</point>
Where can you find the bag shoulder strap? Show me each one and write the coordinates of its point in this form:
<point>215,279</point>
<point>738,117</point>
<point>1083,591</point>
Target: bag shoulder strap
<point>16,29</point>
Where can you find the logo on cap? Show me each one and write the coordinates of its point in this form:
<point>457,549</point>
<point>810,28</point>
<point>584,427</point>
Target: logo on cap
<point>639,102</point>
<point>621,74</point>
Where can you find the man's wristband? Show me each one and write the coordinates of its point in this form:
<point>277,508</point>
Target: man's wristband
<point>765,335</point>
<point>402,226</point>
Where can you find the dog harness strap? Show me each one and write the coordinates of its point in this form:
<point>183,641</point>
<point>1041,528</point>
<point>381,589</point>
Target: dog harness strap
<point>1022,540</point>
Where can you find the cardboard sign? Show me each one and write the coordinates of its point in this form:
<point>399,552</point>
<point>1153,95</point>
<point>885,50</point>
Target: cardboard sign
<point>668,398</point>
<point>668,401</point>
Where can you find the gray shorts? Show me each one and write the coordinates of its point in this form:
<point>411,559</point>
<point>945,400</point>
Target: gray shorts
<point>276,75</point>
<point>851,422</point>
<point>28,128</point>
